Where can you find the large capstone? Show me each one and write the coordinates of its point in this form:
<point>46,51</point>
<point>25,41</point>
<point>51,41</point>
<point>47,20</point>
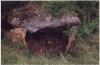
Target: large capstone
<point>33,18</point>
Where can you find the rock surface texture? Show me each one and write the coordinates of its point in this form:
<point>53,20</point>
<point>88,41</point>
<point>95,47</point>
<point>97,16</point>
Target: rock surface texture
<point>33,18</point>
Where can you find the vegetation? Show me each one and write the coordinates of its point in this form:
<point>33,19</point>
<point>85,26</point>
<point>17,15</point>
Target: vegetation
<point>87,49</point>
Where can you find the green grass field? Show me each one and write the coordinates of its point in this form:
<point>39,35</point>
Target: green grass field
<point>87,53</point>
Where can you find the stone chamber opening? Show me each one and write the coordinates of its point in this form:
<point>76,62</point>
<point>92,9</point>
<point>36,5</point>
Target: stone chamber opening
<point>47,43</point>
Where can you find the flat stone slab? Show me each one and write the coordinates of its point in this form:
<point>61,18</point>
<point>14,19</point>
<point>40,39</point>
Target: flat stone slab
<point>34,18</point>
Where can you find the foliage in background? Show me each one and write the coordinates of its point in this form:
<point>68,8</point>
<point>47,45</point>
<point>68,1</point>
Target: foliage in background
<point>59,8</point>
<point>89,14</point>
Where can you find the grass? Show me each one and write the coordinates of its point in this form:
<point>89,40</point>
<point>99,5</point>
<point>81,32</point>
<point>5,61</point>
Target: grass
<point>88,53</point>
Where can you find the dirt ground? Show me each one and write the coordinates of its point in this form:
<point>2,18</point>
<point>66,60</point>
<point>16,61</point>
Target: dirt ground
<point>46,43</point>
